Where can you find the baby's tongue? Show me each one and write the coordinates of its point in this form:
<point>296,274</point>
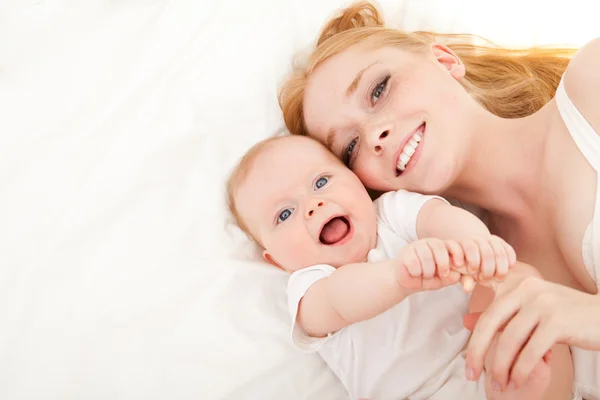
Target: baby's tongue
<point>334,231</point>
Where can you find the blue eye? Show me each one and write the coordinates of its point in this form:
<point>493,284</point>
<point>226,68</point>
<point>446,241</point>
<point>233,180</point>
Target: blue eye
<point>285,214</point>
<point>321,182</point>
<point>379,89</point>
<point>347,153</point>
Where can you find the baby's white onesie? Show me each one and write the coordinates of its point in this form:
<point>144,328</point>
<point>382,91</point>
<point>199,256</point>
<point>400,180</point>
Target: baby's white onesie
<point>411,351</point>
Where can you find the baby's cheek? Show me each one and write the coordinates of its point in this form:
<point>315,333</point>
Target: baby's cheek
<point>297,252</point>
<point>371,176</point>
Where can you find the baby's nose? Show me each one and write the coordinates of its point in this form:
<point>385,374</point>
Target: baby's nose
<point>313,207</point>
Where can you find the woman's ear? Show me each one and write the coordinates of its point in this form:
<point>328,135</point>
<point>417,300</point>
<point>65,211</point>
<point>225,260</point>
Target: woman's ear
<point>450,61</point>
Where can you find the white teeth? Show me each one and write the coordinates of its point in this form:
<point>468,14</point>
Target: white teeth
<point>408,151</point>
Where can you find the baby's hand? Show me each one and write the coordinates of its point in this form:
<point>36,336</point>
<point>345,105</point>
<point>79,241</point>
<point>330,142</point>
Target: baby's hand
<point>425,265</point>
<point>483,258</point>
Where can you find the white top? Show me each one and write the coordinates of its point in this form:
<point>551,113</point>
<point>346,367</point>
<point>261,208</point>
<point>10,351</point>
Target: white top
<point>586,363</point>
<point>413,350</point>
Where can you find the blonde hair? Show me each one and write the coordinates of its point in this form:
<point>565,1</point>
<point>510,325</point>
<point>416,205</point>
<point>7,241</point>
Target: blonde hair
<point>237,177</point>
<point>510,83</point>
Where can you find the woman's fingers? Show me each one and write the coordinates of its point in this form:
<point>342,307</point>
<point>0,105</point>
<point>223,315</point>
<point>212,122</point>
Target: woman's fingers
<point>536,314</point>
<point>534,350</point>
<point>511,341</point>
<point>490,322</point>
<point>468,283</point>
<point>470,320</point>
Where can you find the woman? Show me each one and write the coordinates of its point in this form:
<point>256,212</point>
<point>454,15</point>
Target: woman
<point>492,136</point>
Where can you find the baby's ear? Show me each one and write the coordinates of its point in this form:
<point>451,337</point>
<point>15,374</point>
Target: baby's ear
<point>269,258</point>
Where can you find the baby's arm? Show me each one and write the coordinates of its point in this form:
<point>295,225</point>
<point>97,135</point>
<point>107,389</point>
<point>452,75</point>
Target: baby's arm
<point>352,293</point>
<point>444,221</point>
<point>357,292</point>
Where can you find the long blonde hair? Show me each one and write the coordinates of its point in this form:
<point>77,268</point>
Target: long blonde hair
<point>510,83</point>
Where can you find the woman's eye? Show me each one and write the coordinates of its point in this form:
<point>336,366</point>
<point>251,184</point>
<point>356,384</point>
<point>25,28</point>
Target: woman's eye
<point>347,156</point>
<point>321,182</point>
<point>379,89</point>
<point>285,214</point>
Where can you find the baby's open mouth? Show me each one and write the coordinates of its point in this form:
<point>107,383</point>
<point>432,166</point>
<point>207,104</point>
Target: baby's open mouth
<point>335,230</point>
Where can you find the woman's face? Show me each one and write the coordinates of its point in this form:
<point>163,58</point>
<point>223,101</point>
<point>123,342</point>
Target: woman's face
<point>396,118</point>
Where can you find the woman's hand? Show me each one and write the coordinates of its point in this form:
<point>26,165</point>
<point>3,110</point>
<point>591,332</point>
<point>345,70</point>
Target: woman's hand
<point>530,315</point>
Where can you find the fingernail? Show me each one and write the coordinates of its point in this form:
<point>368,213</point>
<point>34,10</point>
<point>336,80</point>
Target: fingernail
<point>496,386</point>
<point>470,372</point>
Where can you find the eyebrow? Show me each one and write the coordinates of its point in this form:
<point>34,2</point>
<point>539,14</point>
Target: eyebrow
<point>330,138</point>
<point>352,88</point>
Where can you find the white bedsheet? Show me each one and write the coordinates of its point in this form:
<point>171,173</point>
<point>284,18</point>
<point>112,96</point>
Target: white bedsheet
<point>119,121</point>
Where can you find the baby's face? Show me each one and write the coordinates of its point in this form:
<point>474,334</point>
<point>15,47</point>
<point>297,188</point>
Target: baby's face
<point>306,207</point>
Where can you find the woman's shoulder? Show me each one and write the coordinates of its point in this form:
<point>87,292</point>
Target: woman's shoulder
<point>582,82</point>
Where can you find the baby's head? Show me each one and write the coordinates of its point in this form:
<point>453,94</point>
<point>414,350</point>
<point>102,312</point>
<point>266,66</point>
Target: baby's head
<point>302,205</point>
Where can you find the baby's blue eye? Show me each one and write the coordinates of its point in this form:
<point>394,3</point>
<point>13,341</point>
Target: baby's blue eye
<point>321,182</point>
<point>285,214</point>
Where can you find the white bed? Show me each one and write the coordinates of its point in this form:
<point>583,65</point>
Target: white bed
<point>119,121</point>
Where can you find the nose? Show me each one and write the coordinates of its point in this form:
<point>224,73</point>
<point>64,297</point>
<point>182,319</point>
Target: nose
<point>313,206</point>
<point>376,139</point>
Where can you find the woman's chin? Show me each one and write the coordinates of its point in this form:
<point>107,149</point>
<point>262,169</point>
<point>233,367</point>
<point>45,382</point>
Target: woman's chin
<point>435,181</point>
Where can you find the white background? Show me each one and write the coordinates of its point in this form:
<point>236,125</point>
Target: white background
<point>119,121</point>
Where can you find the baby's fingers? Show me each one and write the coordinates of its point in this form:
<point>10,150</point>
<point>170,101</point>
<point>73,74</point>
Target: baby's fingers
<point>457,256</point>
<point>405,278</point>
<point>488,258</point>
<point>426,259</point>
<point>411,261</point>
<point>431,284</point>
<point>452,278</point>
<point>441,257</point>
<point>499,248</point>
<point>472,255</point>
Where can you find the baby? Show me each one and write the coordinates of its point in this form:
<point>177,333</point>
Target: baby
<point>362,273</point>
